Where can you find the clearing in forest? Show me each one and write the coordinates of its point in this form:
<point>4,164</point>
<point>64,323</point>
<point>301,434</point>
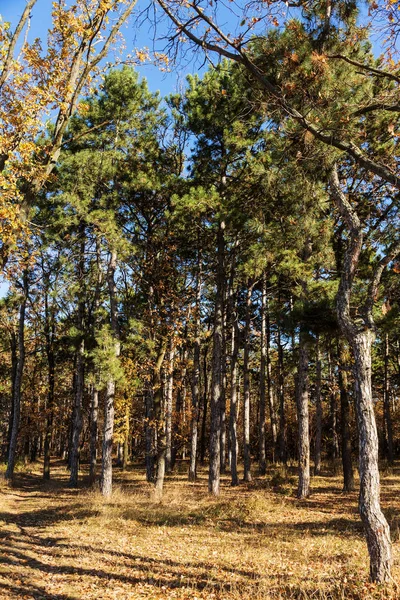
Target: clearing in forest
<point>254,542</point>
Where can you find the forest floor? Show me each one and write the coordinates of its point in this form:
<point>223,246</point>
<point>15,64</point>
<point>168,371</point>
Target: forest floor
<point>255,542</point>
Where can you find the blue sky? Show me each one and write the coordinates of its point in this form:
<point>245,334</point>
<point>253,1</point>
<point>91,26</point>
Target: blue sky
<point>135,37</point>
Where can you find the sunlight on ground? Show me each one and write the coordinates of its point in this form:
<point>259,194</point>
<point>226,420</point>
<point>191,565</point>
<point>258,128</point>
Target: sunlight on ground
<point>255,542</point>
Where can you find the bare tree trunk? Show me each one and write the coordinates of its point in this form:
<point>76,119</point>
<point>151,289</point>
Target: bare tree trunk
<point>318,405</point>
<point>16,400</point>
<point>149,434</point>
<point>303,490</point>
<point>168,408</point>
<point>215,425</point>
<point>159,416</point>
<point>195,382</point>
<point>348,474</point>
<point>360,337</point>
<point>282,446</point>
<point>376,526</point>
<point>223,399</point>
<point>94,412</point>
<point>50,339</point>
<point>262,460</point>
<point>334,442</point>
<point>270,391</point>
<point>234,400</point>
<point>206,384</point>
<point>106,463</point>
<point>80,364</point>
<point>388,428</point>
<point>246,391</point>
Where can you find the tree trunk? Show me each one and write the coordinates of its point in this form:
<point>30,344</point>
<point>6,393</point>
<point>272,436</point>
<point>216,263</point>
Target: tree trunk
<point>149,435</point>
<point>334,445</point>
<point>303,490</point>
<point>388,428</point>
<point>376,526</point>
<point>348,475</point>
<point>168,407</point>
<point>262,461</point>
<point>159,417</point>
<point>282,446</point>
<point>80,364</point>
<point>50,339</point>
<point>195,382</point>
<point>246,391</point>
<point>270,391</point>
<point>16,400</point>
<point>234,400</point>
<point>360,337</point>
<point>318,406</point>
<point>94,413</point>
<point>206,383</point>
<point>216,386</point>
<point>106,463</point>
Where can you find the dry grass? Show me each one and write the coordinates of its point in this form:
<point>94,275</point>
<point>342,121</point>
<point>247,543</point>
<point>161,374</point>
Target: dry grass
<point>256,542</point>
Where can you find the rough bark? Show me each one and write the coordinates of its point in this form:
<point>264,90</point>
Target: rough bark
<point>360,334</point>
<point>168,407</point>
<point>195,381</point>
<point>318,407</point>
<point>234,400</point>
<point>348,474</point>
<point>51,365</point>
<point>16,399</point>
<point>388,428</point>
<point>303,490</point>
<point>106,463</point>
<point>282,445</point>
<point>80,364</point>
<point>159,417</point>
<point>206,385</point>
<point>94,413</point>
<point>216,386</point>
<point>246,391</point>
<point>262,459</point>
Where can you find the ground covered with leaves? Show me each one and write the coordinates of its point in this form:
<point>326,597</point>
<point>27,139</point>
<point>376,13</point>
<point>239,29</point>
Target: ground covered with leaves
<point>254,542</point>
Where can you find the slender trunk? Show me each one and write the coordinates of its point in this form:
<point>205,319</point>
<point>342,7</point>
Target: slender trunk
<point>223,399</point>
<point>149,435</point>
<point>80,364</point>
<point>106,463</point>
<point>206,383</point>
<point>195,382</point>
<point>246,391</point>
<point>282,445</point>
<point>168,412</point>
<point>348,474</point>
<point>303,490</point>
<point>50,338</point>
<point>318,407</point>
<point>14,364</point>
<point>16,400</point>
<point>159,417</point>
<point>334,445</point>
<point>234,400</point>
<point>94,413</point>
<point>386,404</point>
<point>262,460</point>
<point>270,391</point>
<point>125,453</point>
<point>215,425</point>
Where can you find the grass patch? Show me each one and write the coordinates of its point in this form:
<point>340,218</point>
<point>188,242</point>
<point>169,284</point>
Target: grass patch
<point>255,542</point>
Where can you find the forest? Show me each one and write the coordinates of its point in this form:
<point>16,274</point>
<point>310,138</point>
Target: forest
<point>199,315</point>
